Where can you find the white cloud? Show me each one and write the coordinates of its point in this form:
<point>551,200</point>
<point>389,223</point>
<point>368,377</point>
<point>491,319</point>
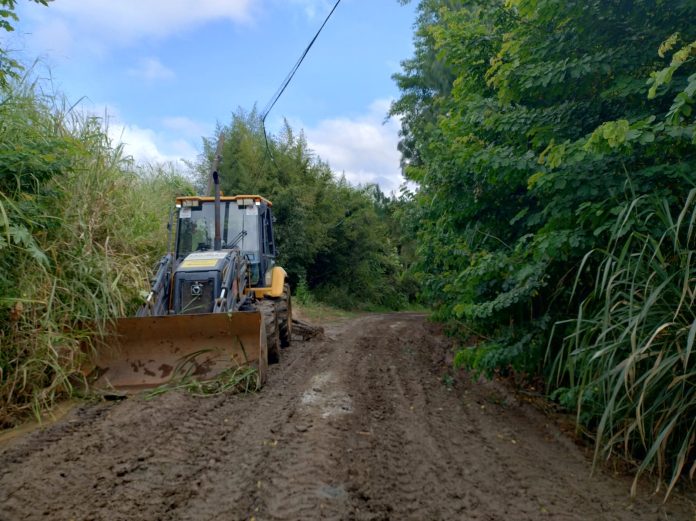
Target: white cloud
<point>127,21</point>
<point>144,145</point>
<point>137,142</point>
<point>151,69</point>
<point>172,140</point>
<point>364,148</point>
<point>149,146</point>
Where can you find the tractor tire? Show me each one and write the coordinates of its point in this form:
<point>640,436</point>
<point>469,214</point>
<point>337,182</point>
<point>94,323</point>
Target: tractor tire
<point>284,314</point>
<point>270,322</point>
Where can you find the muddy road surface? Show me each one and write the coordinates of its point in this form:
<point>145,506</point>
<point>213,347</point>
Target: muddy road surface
<point>357,426</point>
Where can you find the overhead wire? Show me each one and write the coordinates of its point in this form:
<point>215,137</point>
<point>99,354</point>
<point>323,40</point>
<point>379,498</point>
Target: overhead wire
<point>279,92</point>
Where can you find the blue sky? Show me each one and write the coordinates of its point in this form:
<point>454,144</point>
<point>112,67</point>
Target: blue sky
<point>166,71</point>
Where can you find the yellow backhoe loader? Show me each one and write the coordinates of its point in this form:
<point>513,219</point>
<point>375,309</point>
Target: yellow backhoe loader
<point>217,301</point>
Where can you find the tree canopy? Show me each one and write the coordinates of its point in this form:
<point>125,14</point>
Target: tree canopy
<point>332,237</point>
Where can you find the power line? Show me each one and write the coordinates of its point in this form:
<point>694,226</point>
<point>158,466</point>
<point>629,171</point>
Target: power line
<point>271,103</point>
<point>269,106</point>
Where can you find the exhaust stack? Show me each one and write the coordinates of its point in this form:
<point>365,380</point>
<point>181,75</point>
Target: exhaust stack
<point>215,179</point>
<point>217,244</point>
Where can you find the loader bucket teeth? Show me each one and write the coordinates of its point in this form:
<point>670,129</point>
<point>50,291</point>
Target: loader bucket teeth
<point>145,352</point>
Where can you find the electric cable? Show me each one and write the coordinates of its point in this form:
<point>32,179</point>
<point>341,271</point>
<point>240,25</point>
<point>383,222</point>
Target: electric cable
<point>269,106</point>
<point>271,103</point>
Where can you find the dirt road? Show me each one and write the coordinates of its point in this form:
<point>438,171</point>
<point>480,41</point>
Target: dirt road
<point>358,426</point>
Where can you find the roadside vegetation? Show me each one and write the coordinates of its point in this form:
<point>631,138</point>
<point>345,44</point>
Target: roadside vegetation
<point>80,228</point>
<point>554,144</point>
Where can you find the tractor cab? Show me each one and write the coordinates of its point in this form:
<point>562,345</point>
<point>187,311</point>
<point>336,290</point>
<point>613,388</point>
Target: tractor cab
<point>246,225</point>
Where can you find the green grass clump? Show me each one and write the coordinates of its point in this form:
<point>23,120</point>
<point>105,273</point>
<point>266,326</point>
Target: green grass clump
<point>239,378</point>
<point>628,359</point>
<point>80,227</point>
<point>243,379</point>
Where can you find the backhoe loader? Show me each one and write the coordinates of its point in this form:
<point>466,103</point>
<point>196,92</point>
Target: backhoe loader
<point>217,301</point>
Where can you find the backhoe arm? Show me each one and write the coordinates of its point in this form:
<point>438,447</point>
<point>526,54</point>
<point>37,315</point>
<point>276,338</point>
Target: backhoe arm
<point>157,301</point>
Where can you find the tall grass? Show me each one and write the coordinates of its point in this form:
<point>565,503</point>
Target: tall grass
<point>629,359</point>
<point>80,226</point>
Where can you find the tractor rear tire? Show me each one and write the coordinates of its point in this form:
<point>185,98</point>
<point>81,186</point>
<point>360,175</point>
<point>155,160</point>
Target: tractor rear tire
<point>284,314</point>
<point>270,323</point>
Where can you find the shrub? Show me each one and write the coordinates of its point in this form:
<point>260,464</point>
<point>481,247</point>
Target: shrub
<point>628,356</point>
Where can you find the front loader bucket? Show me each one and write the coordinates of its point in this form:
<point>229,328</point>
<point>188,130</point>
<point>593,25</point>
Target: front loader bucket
<point>146,352</point>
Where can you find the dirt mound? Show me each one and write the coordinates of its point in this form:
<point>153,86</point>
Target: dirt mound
<point>357,426</point>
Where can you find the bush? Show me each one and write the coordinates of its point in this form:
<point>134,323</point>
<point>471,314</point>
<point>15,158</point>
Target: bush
<point>628,357</point>
<point>80,228</point>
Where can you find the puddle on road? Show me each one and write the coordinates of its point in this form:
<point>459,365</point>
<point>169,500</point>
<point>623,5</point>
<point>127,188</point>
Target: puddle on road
<point>399,326</point>
<point>331,492</point>
<point>323,396</point>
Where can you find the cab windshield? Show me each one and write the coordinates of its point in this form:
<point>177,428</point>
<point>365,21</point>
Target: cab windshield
<point>239,228</point>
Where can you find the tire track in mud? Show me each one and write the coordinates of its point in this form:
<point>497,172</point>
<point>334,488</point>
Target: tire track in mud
<point>356,427</point>
<point>131,448</point>
<point>428,487</point>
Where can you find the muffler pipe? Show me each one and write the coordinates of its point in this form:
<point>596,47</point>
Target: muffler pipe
<point>217,244</point>
<point>215,178</point>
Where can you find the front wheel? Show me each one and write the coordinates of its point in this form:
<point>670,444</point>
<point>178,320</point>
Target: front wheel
<point>270,322</point>
<point>284,313</point>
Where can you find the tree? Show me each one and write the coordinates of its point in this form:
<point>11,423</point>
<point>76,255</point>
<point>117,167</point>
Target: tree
<point>328,233</point>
